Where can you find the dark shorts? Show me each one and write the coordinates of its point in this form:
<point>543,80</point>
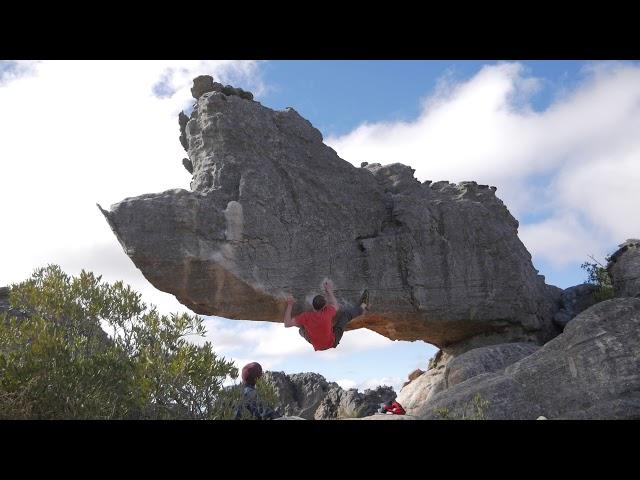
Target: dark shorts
<point>343,317</point>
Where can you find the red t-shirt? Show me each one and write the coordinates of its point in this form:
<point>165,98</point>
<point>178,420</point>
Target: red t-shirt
<point>319,327</point>
<point>395,408</point>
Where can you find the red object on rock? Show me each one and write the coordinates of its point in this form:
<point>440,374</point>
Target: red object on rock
<point>395,408</point>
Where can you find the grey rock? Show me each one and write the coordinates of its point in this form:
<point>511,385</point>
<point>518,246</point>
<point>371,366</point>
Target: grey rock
<point>229,90</point>
<point>187,164</point>
<point>182,120</point>
<point>438,359</point>
<point>330,405</point>
<point>201,85</point>
<point>413,375</point>
<point>373,398</point>
<point>452,370</point>
<point>205,84</point>
<point>310,396</point>
<point>573,301</point>
<point>273,210</point>
<point>590,371</point>
<point>340,404</point>
<point>417,393</point>
<point>299,394</point>
<point>484,360</point>
<point>624,269</point>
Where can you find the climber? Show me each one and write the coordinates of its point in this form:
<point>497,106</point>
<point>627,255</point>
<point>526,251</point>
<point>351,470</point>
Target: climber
<point>324,326</point>
<point>392,408</point>
<point>250,402</point>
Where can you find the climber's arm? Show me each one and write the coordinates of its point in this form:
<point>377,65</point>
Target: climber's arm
<point>331,298</point>
<point>288,321</point>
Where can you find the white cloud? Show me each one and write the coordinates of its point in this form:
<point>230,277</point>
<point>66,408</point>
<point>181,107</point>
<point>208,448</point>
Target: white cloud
<point>371,383</point>
<point>563,238</point>
<point>11,70</point>
<point>274,344</point>
<point>346,384</point>
<point>576,164</point>
<point>75,133</point>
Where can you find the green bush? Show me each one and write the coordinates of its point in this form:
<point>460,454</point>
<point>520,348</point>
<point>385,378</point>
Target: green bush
<point>598,275</point>
<point>60,364</point>
<point>475,409</point>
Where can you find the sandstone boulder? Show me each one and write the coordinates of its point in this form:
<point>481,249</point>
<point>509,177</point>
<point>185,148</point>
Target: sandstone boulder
<point>590,371</point>
<point>273,210</point>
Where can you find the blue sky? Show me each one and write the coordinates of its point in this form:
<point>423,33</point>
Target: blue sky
<point>337,96</point>
<point>558,138</point>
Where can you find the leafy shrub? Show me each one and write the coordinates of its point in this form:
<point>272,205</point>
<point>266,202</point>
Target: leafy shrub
<point>59,363</point>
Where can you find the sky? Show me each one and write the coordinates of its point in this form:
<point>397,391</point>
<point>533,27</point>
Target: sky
<point>559,139</point>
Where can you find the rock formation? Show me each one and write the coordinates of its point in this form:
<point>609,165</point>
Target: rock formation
<point>590,371</point>
<point>447,371</point>
<point>310,396</point>
<point>273,210</point>
<point>299,394</point>
<point>573,301</point>
<point>412,376</point>
<point>624,269</point>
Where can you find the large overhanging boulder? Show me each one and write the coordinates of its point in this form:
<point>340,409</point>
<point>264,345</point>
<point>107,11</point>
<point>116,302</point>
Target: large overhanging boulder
<point>273,210</point>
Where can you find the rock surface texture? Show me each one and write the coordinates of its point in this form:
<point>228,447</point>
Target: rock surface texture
<point>447,371</point>
<point>574,300</point>
<point>624,269</point>
<point>310,396</point>
<point>273,210</point>
<point>590,371</point>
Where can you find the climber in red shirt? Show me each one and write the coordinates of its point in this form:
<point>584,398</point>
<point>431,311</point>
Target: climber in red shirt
<point>392,407</point>
<point>324,326</point>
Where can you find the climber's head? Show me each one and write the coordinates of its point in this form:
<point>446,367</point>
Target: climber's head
<point>251,372</point>
<point>319,302</point>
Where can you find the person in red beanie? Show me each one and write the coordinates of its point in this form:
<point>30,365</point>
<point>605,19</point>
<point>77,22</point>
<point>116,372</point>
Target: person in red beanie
<point>251,372</point>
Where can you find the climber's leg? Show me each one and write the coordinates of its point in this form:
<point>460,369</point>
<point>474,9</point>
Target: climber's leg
<point>343,317</point>
<point>303,334</point>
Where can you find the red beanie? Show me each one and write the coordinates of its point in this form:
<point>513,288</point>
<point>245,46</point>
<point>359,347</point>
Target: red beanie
<point>251,372</point>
